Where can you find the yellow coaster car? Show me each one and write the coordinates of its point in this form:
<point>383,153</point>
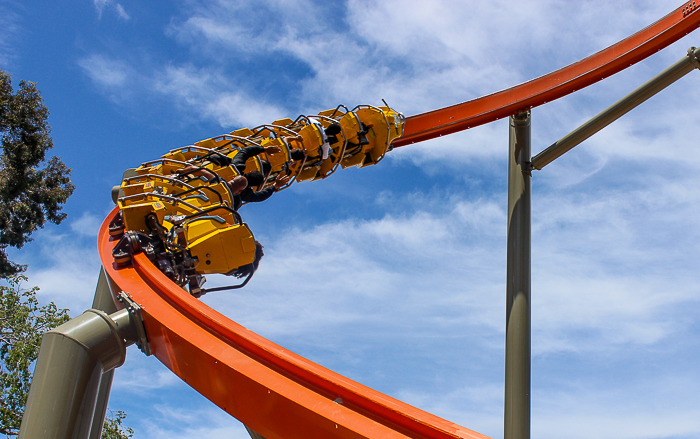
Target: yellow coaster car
<point>181,210</point>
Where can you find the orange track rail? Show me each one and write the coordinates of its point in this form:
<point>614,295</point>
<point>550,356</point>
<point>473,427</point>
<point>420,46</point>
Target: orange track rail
<point>282,395</point>
<point>554,85</point>
<point>270,389</point>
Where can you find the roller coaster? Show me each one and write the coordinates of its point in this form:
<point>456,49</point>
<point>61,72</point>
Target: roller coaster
<point>189,226</point>
<point>177,220</point>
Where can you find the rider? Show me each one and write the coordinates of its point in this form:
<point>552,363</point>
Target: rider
<point>240,186</point>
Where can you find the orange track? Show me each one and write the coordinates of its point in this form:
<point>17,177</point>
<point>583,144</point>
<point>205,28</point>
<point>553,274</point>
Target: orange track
<point>270,389</point>
<point>554,85</point>
<point>282,395</point>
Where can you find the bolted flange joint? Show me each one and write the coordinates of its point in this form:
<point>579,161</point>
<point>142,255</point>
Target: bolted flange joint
<point>694,55</point>
<point>137,330</point>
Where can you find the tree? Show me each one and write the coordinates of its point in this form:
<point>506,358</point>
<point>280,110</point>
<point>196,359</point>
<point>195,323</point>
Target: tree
<point>113,427</point>
<point>32,190</point>
<point>22,324</point>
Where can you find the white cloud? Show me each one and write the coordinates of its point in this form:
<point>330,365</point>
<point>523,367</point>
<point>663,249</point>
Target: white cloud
<point>585,257</point>
<point>109,73</point>
<point>88,224</point>
<point>620,413</point>
<point>210,422</point>
<point>10,29</point>
<point>418,57</point>
<point>63,263</point>
<point>121,12</point>
<point>101,5</point>
<point>579,410</point>
<point>128,378</point>
<point>70,277</point>
<point>366,272</point>
<point>208,93</point>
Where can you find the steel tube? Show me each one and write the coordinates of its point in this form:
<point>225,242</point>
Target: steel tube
<point>253,434</point>
<point>104,302</point>
<point>517,356</point>
<point>619,108</point>
<point>72,360</point>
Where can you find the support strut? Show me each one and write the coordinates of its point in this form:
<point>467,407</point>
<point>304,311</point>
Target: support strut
<point>72,376</point>
<point>672,74</point>
<point>517,380</point>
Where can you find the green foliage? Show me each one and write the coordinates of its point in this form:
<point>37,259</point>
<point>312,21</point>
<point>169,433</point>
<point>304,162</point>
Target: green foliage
<point>32,190</point>
<point>113,427</point>
<point>22,323</point>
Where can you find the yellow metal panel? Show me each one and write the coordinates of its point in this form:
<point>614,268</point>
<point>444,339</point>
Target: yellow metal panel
<point>207,143</point>
<point>312,139</point>
<point>243,132</point>
<point>253,164</point>
<point>135,215</point>
<point>223,250</point>
<point>283,122</point>
<point>219,187</point>
<point>276,160</point>
<point>248,244</point>
<point>377,135</point>
<point>307,174</point>
<point>197,229</point>
<point>351,126</point>
<point>353,160</point>
<point>334,113</point>
<point>226,173</point>
<point>328,164</point>
<point>175,155</point>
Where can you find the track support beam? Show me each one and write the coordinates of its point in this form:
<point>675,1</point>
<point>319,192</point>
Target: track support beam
<point>672,74</point>
<point>72,377</point>
<point>517,370</point>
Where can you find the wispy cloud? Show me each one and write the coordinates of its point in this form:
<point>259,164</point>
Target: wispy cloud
<point>70,277</point>
<point>102,5</point>
<point>63,263</point>
<point>620,413</point>
<point>127,378</point>
<point>9,31</point>
<point>418,57</point>
<point>88,224</point>
<point>588,248</point>
<point>112,76</point>
<point>214,97</point>
<point>372,271</point>
<point>210,422</point>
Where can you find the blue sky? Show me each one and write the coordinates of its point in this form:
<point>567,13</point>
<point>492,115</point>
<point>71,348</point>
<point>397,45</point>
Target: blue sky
<point>394,275</point>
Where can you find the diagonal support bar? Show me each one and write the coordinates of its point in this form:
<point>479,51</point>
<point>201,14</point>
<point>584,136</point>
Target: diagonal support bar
<point>619,108</point>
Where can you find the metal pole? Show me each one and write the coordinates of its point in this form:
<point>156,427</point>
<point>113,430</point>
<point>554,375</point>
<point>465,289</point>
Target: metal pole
<point>72,359</point>
<point>517,379</point>
<point>104,302</point>
<point>253,434</point>
<point>619,108</point>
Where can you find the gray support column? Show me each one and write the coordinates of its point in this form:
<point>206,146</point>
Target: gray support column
<point>517,379</point>
<point>103,301</point>
<point>253,434</point>
<point>66,382</point>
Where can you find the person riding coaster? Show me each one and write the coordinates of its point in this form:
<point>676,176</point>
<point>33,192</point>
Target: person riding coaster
<point>241,185</point>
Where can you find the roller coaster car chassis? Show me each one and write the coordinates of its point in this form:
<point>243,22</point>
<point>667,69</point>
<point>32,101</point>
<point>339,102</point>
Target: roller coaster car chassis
<point>178,266</point>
